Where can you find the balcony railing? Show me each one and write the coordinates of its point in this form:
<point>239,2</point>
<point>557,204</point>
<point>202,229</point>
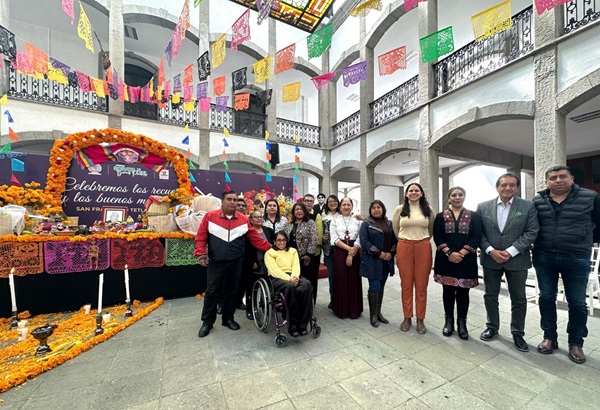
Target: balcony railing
<point>346,129</point>
<point>395,103</point>
<point>51,92</point>
<point>479,58</point>
<point>287,131</point>
<point>144,110</point>
<point>578,13</point>
<point>174,114</point>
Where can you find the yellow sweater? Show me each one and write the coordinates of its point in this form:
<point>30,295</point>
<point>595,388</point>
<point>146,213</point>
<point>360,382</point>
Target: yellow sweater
<point>416,227</point>
<point>280,263</point>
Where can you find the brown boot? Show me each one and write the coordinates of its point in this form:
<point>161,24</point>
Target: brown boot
<point>405,326</point>
<point>421,329</point>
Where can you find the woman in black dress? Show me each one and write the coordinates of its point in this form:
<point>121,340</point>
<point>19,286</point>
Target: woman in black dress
<point>457,235</point>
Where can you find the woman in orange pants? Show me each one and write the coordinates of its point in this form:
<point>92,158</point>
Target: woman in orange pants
<point>413,225</point>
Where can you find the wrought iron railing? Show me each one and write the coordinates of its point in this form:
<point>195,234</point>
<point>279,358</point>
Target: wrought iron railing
<point>481,57</point>
<point>395,103</point>
<point>578,13</point>
<point>346,129</point>
<point>239,122</point>
<point>175,114</point>
<point>308,135</point>
<point>220,119</point>
<point>52,92</point>
<point>140,109</point>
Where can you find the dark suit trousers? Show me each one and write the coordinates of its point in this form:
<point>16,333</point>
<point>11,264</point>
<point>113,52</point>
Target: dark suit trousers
<point>222,280</point>
<point>516,288</point>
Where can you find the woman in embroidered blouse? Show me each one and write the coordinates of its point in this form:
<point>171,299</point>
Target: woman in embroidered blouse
<point>283,266</point>
<point>413,225</point>
<point>273,218</point>
<point>377,261</point>
<point>347,292</point>
<point>457,234</point>
<point>332,208</point>
<point>302,236</point>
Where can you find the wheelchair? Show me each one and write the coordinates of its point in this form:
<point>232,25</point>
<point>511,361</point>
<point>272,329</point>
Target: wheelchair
<point>266,303</point>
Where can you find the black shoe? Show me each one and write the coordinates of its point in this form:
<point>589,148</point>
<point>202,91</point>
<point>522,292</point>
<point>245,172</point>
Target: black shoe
<point>448,326</point>
<point>463,332</point>
<point>330,305</point>
<point>293,331</point>
<point>488,334</point>
<point>302,330</point>
<point>241,306</point>
<point>219,309</point>
<point>231,324</point>
<point>204,330</point>
<point>249,316</point>
<point>520,343</point>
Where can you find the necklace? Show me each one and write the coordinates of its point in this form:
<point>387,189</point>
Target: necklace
<point>347,223</point>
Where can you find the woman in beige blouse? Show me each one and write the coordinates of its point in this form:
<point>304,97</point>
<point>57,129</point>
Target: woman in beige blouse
<point>413,225</point>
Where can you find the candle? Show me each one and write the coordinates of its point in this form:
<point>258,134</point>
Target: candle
<point>128,298</point>
<point>101,282</point>
<point>11,281</point>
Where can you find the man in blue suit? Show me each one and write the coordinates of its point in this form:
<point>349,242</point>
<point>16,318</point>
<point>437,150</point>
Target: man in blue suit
<point>510,226</point>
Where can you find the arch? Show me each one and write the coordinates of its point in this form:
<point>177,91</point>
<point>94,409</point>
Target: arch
<point>388,18</point>
<point>241,158</point>
<point>390,148</point>
<point>478,116</point>
<point>349,56</point>
<point>157,17</point>
<point>343,166</point>
<point>134,59</point>
<point>582,91</point>
<point>27,138</point>
<point>311,169</point>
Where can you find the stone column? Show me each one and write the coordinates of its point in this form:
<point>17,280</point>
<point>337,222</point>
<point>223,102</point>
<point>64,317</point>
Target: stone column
<point>203,152</point>
<point>529,182</point>
<point>116,52</point>
<point>428,158</point>
<point>517,171</point>
<point>271,109</point>
<point>445,182</point>
<point>400,195</point>
<point>5,22</point>
<point>549,125</point>
<point>429,163</point>
<point>326,135</point>
<point>367,92</point>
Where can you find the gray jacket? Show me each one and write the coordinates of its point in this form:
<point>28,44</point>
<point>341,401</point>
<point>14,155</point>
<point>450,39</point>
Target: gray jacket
<point>521,230</point>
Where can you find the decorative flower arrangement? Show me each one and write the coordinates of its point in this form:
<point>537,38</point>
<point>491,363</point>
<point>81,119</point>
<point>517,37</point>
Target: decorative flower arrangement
<point>179,196</point>
<point>28,195</point>
<point>63,151</point>
<point>18,362</point>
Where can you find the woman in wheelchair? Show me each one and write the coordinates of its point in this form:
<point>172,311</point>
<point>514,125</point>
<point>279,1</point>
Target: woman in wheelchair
<point>283,266</point>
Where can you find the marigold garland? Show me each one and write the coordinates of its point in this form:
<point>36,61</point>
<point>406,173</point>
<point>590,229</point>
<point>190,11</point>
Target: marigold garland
<point>79,238</point>
<point>63,151</point>
<point>18,362</point>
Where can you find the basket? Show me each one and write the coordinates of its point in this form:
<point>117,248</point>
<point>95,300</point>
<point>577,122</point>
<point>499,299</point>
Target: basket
<point>155,206</point>
<point>162,223</point>
<point>6,224</point>
<point>73,220</point>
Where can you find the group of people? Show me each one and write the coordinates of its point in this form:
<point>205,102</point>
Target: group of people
<point>559,225</point>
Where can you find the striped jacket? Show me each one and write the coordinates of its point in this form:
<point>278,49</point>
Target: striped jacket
<point>222,239</point>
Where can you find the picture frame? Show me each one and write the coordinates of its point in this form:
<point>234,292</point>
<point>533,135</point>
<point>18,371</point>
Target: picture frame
<point>113,214</point>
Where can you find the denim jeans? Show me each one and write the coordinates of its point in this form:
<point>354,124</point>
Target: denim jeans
<point>575,272</point>
<point>377,285</point>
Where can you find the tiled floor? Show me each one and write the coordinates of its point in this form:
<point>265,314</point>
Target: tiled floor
<point>160,363</point>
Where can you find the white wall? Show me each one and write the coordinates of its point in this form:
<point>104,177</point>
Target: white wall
<point>346,36</point>
<point>389,195</point>
<point>578,57</point>
<point>513,83</point>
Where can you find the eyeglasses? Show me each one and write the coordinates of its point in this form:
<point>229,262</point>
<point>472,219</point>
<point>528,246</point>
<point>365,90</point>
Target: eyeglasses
<point>280,240</point>
<point>309,200</point>
<point>256,217</point>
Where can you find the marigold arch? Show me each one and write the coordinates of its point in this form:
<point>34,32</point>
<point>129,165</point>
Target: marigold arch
<point>63,151</point>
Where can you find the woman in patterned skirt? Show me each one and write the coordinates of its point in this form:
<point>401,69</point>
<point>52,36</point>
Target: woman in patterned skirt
<point>457,235</point>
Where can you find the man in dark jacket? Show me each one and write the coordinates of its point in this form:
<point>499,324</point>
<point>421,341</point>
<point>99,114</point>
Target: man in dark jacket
<point>568,216</point>
<point>220,240</point>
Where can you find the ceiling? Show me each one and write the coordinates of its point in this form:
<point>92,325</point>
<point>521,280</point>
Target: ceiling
<point>302,14</point>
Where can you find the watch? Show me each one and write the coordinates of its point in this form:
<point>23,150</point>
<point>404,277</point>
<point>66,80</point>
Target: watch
<point>449,252</point>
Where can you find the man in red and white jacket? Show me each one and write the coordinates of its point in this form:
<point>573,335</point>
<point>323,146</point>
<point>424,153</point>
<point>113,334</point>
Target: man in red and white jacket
<point>220,240</point>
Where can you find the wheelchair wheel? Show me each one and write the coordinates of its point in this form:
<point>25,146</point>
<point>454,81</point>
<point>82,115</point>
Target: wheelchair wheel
<point>261,305</point>
<point>280,340</point>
